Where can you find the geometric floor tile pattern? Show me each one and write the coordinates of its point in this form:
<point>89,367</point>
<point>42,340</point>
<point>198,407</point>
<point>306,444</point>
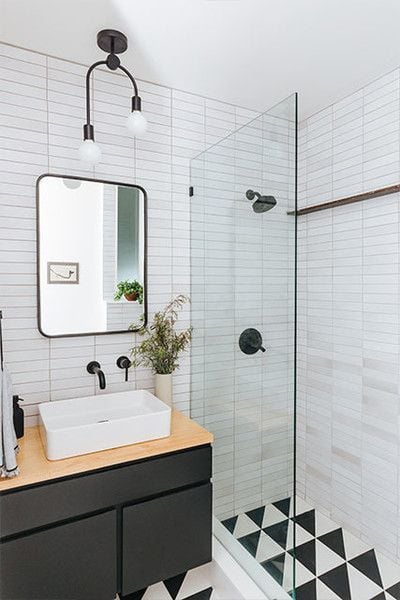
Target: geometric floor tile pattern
<point>330,563</point>
<point>192,585</point>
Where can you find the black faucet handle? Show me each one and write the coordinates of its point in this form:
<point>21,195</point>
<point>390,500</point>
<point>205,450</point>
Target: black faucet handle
<point>123,362</point>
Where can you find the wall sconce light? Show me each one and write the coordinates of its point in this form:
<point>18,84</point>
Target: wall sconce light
<point>113,42</point>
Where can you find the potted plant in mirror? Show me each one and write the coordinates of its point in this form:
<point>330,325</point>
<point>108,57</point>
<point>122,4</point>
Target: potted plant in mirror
<point>131,290</point>
<point>161,347</point>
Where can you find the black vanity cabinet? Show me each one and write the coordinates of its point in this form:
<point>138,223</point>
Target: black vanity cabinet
<point>65,561</point>
<point>165,535</point>
<point>117,530</point>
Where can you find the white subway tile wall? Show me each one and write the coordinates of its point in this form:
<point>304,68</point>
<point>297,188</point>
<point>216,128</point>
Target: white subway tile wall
<point>349,313</point>
<point>41,118</point>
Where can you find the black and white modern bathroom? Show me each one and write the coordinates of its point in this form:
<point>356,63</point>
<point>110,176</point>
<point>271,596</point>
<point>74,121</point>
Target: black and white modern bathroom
<point>199,300</point>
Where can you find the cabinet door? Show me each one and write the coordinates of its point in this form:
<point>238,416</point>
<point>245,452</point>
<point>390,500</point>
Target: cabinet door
<point>75,561</point>
<point>165,537</point>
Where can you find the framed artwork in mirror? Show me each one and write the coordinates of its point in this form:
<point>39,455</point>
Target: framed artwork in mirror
<point>62,272</point>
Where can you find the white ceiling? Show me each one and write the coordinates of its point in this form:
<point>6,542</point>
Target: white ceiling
<point>249,52</point>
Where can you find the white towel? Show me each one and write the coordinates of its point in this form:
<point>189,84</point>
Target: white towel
<point>8,439</point>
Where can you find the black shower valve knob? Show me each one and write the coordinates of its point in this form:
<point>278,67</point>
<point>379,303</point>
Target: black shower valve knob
<point>250,341</point>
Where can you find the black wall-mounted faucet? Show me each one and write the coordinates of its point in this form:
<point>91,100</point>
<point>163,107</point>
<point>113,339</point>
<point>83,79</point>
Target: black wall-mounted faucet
<point>123,362</point>
<point>94,368</point>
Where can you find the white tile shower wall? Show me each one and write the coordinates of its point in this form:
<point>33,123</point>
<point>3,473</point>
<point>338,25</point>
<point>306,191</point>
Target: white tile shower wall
<point>241,268</point>
<point>41,117</point>
<point>349,314</point>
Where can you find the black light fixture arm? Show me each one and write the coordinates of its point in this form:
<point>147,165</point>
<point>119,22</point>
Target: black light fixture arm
<point>88,129</point>
<point>134,84</point>
<point>108,40</point>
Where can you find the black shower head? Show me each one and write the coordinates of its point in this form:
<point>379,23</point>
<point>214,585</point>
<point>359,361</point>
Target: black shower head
<point>263,203</point>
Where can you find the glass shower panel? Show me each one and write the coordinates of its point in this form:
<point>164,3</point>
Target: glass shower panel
<point>213,310</point>
<point>243,277</point>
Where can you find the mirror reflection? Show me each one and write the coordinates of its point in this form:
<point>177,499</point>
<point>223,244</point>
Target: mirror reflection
<point>91,256</point>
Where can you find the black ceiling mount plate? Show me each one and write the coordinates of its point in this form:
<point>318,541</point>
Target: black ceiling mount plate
<point>107,37</point>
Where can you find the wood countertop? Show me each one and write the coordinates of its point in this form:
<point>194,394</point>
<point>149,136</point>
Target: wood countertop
<point>35,468</point>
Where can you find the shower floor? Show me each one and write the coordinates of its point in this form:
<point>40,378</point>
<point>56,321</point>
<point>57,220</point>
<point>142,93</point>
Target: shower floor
<point>331,563</point>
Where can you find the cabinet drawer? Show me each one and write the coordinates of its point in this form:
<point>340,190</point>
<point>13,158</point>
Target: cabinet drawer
<point>165,537</point>
<point>51,502</point>
<point>73,561</point>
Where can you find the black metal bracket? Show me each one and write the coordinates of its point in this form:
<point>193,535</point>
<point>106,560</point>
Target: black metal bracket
<point>251,194</point>
<point>112,41</point>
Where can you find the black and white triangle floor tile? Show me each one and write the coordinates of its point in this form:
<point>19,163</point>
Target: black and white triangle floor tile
<point>330,563</point>
<point>193,585</point>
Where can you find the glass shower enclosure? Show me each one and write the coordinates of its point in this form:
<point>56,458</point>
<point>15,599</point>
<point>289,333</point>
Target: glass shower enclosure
<point>243,292</point>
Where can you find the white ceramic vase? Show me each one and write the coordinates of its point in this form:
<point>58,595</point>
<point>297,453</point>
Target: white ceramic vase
<point>163,388</point>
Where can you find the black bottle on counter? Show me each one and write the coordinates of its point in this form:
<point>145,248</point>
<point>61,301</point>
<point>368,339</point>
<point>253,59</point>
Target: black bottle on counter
<point>18,417</point>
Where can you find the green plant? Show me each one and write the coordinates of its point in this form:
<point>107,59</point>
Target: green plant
<point>162,346</point>
<point>129,287</point>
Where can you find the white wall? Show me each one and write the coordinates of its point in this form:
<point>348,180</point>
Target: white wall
<point>349,316</point>
<point>41,117</point>
<point>71,226</point>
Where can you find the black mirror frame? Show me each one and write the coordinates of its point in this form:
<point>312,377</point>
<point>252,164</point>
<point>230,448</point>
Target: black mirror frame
<point>145,215</point>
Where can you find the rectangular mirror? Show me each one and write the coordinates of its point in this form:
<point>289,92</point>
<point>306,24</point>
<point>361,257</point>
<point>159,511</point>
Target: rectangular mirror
<point>91,256</point>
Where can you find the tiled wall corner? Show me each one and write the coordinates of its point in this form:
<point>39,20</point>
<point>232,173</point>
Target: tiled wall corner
<point>349,312</point>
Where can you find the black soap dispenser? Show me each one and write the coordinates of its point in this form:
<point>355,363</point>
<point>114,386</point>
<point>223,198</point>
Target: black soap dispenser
<point>18,417</point>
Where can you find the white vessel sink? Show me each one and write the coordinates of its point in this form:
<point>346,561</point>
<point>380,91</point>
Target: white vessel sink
<point>83,425</point>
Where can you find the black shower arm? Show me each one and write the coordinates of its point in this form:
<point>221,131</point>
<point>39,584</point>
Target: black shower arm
<point>88,128</point>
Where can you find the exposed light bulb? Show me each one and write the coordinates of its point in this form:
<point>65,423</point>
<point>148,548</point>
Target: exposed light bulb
<point>89,152</point>
<point>136,123</point>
